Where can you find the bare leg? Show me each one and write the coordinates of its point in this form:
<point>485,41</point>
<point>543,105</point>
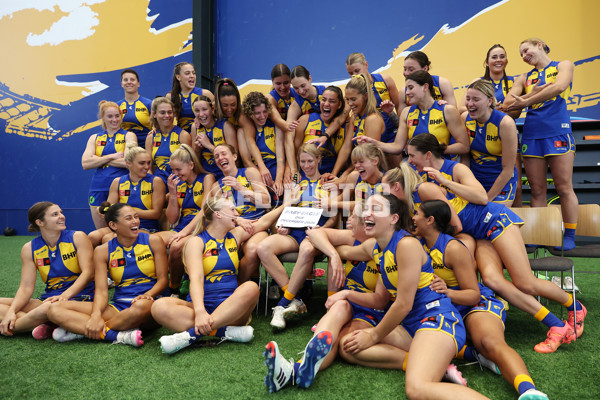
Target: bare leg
<point>249,263</point>
<point>97,235</point>
<point>132,317</point>
<point>536,169</point>
<point>430,354</point>
<point>334,321</point>
<point>269,249</point>
<point>97,218</point>
<point>176,267</point>
<point>74,315</point>
<point>518,202</point>
<point>389,353</point>
<point>561,168</point>
<point>303,267</point>
<point>33,314</point>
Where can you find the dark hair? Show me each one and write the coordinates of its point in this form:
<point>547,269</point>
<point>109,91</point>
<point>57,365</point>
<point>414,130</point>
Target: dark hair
<point>230,147</point>
<point>35,212</point>
<point>425,142</point>
<point>113,212</point>
<point>130,71</point>
<point>400,208</point>
<point>252,100</point>
<point>227,87</point>
<point>103,207</point>
<point>279,70</point>
<point>486,75</point>
<point>299,72</point>
<point>419,57</point>
<point>440,211</point>
<point>423,77</point>
<point>340,96</point>
<point>176,88</point>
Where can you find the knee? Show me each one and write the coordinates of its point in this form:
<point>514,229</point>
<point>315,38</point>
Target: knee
<point>341,307</point>
<point>264,249</point>
<point>491,345</point>
<point>53,312</point>
<point>176,249</point>
<point>527,287</point>
<point>414,390</point>
<point>251,249</point>
<point>251,290</point>
<point>159,308</point>
<point>494,281</point>
<point>538,188</point>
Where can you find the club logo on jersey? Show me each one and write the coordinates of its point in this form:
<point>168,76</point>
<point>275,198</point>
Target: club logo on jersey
<point>560,143</point>
<point>124,193</point>
<point>533,81</point>
<point>101,143</point>
<point>472,133</point>
<point>181,195</point>
<point>124,111</point>
<point>317,132</point>
<point>211,253</point>
<point>413,122</point>
<point>118,262</point>
<point>156,142</point>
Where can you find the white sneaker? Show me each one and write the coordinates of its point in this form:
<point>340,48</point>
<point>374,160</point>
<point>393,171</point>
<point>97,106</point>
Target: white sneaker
<point>240,334</point>
<point>453,375</point>
<point>278,321</point>
<point>280,371</point>
<point>132,337</point>
<point>170,344</point>
<point>63,335</point>
<point>111,283</point>
<point>484,362</point>
<point>296,307</point>
<point>274,292</point>
<point>569,284</point>
<point>533,394</point>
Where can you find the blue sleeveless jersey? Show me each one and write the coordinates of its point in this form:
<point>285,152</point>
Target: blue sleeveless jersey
<point>136,118</point>
<point>58,266</point>
<point>216,135</point>
<point>307,106</point>
<point>381,92</point>
<point>221,261</point>
<point>283,105</point>
<point>502,88</point>
<point>186,115</point>
<point>315,127</point>
<point>265,141</point>
<point>139,196</point>
<point>163,145</point>
<point>245,208</point>
<point>361,276</point>
<point>108,144</point>
<point>189,198</point>
<point>132,268</point>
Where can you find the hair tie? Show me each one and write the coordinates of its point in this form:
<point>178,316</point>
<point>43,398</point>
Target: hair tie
<point>225,83</point>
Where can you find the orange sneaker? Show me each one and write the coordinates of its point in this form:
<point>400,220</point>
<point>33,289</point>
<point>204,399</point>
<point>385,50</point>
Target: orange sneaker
<point>580,317</point>
<point>557,335</point>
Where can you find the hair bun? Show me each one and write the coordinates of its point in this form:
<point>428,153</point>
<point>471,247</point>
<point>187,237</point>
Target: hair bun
<point>103,207</point>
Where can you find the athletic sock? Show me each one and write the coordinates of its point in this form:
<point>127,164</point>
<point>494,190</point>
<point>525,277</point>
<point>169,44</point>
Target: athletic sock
<point>286,299</point>
<point>110,335</point>
<point>404,362</point>
<point>296,366</point>
<point>218,332</point>
<point>547,318</point>
<point>193,335</point>
<point>523,383</point>
<point>330,293</point>
<point>467,353</point>
<point>571,305</point>
<point>569,237</point>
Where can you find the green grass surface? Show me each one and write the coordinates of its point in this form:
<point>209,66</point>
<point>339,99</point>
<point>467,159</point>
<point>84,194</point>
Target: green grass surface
<point>31,369</point>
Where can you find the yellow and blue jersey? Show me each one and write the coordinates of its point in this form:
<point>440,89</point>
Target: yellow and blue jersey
<point>437,254</point>
<point>307,106</point>
<point>363,190</point>
<point>549,118</point>
<point>163,145</point>
<point>58,266</point>
<point>220,261</point>
<point>426,302</point>
<point>502,88</point>
<point>486,148</point>
<point>447,171</point>
<point>216,136</point>
<point>316,128</point>
<point>186,114</point>
<point>189,198</point>
<point>283,105</point>
<point>108,144</point>
<point>430,121</point>
<point>484,221</point>
<point>359,127</point>
<point>265,141</point>
<point>136,118</point>
<point>245,208</point>
<point>311,190</point>
<point>361,276</point>
<point>132,268</point>
<point>436,89</point>
<point>139,196</point>
<point>381,92</point>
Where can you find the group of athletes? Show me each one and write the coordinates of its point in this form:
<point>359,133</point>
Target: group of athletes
<point>188,188</point>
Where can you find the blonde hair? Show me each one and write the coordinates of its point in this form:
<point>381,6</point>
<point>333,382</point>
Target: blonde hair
<point>535,41</point>
<point>310,149</point>
<point>356,58</point>
<point>105,105</point>
<point>132,150</point>
<point>408,178</point>
<point>157,102</point>
<point>211,206</point>
<point>360,83</point>
<point>487,88</point>
<point>370,151</point>
<point>185,154</point>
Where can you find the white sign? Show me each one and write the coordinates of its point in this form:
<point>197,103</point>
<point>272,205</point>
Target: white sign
<point>299,217</point>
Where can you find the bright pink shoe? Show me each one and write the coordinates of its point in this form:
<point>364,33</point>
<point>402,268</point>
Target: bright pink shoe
<point>132,338</point>
<point>453,375</point>
<point>580,317</point>
<point>319,272</point>
<point>556,336</point>
<point>43,331</point>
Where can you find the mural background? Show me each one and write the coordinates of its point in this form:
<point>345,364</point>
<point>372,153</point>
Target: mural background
<point>65,56</point>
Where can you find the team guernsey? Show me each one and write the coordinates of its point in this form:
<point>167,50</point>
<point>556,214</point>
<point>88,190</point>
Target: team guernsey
<point>487,301</point>
<point>429,121</point>
<point>431,310</point>
<point>310,190</point>
<point>283,105</point>
<point>220,261</point>
<point>436,89</point>
<point>216,136</point>
<point>163,145</point>
<point>265,141</point>
<point>502,88</point>
<point>307,106</point>
<point>550,118</point>
<point>362,276</point>
<point>486,150</point>
<point>447,171</point>
<point>186,115</point>
<point>58,266</point>
<point>103,176</point>
<point>132,269</point>
<point>363,190</point>
<point>244,207</point>
<point>381,92</point>
<point>139,196</point>
<point>189,197</point>
<point>136,117</point>
<point>316,128</point>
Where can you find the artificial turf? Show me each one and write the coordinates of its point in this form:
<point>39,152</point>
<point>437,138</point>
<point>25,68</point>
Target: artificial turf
<point>31,369</point>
